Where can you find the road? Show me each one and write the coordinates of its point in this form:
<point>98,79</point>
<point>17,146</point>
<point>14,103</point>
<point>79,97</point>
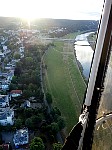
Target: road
<point>41,79</point>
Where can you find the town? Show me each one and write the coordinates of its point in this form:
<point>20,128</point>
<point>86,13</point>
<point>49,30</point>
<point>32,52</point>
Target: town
<point>22,107</point>
<point>28,112</point>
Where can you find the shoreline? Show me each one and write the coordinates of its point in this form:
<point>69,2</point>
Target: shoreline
<point>92,40</point>
<point>80,68</point>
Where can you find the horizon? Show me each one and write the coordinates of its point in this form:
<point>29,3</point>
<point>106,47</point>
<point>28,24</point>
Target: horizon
<point>48,18</point>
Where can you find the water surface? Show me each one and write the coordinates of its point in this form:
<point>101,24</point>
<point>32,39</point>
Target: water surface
<point>84,53</point>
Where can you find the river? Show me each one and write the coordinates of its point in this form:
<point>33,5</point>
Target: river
<point>84,53</point>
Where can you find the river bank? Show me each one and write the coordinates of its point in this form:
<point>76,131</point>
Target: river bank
<point>92,39</point>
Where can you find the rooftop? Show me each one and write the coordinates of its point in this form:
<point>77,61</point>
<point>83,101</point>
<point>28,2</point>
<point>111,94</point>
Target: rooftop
<point>21,137</point>
<point>5,112</point>
<point>2,98</point>
<point>16,92</point>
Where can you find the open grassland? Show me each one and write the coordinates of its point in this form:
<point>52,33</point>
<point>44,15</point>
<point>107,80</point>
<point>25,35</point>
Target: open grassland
<point>59,45</point>
<point>77,78</point>
<point>71,35</point>
<point>64,82</point>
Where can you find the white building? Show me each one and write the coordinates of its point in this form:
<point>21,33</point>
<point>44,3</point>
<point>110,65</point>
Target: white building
<point>4,47</point>
<point>21,49</point>
<point>6,116</point>
<point>2,55</point>
<point>4,101</point>
<point>5,86</point>
<point>21,137</point>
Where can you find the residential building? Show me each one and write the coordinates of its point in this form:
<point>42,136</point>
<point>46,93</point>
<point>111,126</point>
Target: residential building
<point>6,116</point>
<point>4,101</point>
<point>27,104</point>
<point>4,47</point>
<point>16,93</point>
<point>10,75</point>
<point>4,85</point>
<point>3,74</point>
<point>21,137</point>
<point>2,55</point>
<point>5,146</point>
<point>21,49</point>
<point>8,66</point>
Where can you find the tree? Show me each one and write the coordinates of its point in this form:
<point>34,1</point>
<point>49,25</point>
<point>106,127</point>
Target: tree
<point>29,123</point>
<point>28,112</point>
<point>61,123</point>
<point>1,127</point>
<point>27,93</point>
<point>55,113</point>
<point>57,146</point>
<point>17,71</point>
<point>37,144</point>
<point>8,127</point>
<point>14,80</point>
<point>36,119</point>
<point>49,98</point>
<point>12,86</point>
<point>18,123</point>
<point>29,60</point>
<point>53,127</point>
<point>17,56</point>
<point>1,141</point>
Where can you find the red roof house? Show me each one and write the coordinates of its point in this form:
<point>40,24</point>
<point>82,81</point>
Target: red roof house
<point>16,93</point>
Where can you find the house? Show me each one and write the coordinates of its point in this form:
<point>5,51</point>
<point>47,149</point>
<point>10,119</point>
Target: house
<point>7,51</point>
<point>4,101</point>
<point>6,116</point>
<point>4,74</point>
<point>4,85</point>
<point>5,146</point>
<point>27,104</point>
<point>4,47</point>
<point>10,75</point>
<point>21,137</point>
<point>8,66</point>
<point>21,49</point>
<point>16,93</point>
<point>2,55</point>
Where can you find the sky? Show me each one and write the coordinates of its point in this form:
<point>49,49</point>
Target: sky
<point>61,9</point>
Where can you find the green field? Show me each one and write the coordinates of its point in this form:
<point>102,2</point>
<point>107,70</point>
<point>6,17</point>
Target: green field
<point>71,35</point>
<point>64,82</point>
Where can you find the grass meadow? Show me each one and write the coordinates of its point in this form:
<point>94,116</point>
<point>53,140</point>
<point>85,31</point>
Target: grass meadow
<point>64,82</point>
